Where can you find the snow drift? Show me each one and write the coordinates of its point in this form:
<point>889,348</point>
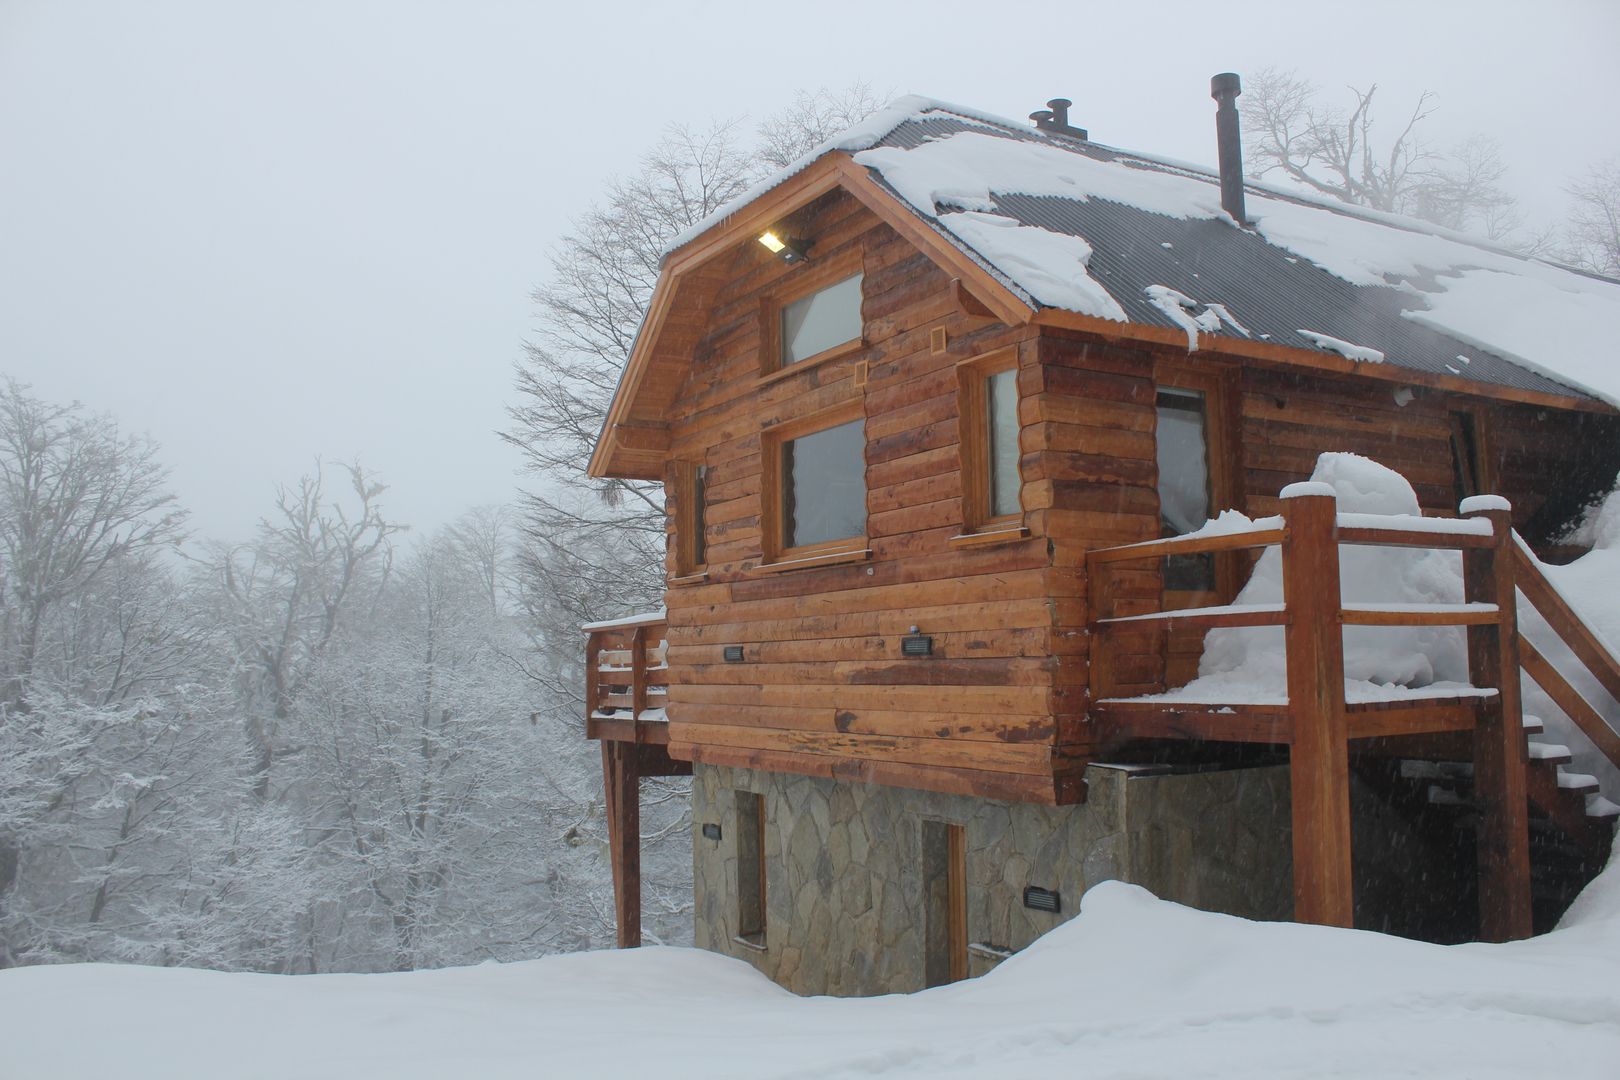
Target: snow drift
<point>1133,986</point>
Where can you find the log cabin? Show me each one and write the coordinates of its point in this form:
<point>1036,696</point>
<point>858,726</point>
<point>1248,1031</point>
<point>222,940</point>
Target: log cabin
<point>941,413</point>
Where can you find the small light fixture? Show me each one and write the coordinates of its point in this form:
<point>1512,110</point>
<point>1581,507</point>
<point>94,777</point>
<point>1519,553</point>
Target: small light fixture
<point>1039,899</point>
<point>734,654</point>
<point>711,831</point>
<point>789,251</point>
<point>915,644</point>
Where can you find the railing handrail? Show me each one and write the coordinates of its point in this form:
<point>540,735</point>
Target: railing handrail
<point>1586,644</point>
<point>627,622</point>
<point>1476,534</point>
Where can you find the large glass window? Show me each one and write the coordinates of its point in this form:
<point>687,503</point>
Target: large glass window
<point>1001,393</point>
<point>818,322</point>
<point>824,485</point>
<point>1183,454</point>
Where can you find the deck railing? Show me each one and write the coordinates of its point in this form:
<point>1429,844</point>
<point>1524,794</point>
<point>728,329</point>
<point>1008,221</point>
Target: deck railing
<point>626,675</point>
<point>1317,722</point>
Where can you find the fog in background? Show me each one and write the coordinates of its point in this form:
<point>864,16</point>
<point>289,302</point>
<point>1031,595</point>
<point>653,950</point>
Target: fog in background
<point>266,232</point>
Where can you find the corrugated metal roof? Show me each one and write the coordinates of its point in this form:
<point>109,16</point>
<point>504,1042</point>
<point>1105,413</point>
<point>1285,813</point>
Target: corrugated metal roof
<point>1272,293</point>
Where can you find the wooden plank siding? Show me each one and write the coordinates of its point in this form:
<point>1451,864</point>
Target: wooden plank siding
<point>823,687</point>
<point>1001,707</point>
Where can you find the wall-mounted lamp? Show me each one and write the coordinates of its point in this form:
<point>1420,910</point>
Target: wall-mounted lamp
<point>711,831</point>
<point>733,654</point>
<point>916,644</point>
<point>789,251</point>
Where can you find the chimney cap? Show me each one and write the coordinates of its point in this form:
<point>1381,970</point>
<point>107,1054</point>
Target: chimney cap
<point>1225,85</point>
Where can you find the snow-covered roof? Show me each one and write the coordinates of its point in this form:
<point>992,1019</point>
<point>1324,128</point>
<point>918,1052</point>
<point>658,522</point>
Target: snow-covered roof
<point>1117,235</point>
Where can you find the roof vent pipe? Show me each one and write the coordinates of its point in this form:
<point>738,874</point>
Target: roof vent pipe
<point>1225,88</point>
<point>1055,118</point>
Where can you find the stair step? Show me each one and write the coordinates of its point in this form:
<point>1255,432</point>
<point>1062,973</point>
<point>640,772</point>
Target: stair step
<point>1583,783</point>
<point>1533,725</point>
<point>1550,753</point>
<point>1601,809</point>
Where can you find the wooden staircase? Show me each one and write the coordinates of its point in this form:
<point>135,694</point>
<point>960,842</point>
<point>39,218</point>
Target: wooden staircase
<point>1514,786</point>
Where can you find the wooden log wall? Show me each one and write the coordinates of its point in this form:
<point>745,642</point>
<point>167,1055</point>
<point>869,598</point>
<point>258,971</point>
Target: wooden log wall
<point>823,688</point>
<point>1001,707</point>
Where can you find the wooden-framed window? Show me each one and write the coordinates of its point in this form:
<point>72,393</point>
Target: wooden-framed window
<point>987,407</point>
<point>750,840</point>
<point>813,494</point>
<point>944,850</point>
<point>1196,448</point>
<point>1471,464</point>
<point>691,500</point>
<point>815,315</point>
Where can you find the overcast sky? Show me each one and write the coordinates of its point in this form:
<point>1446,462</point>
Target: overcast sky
<point>266,232</point>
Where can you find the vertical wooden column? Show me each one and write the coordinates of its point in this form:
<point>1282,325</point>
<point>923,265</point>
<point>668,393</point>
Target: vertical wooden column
<point>1499,746</point>
<point>621,782</point>
<point>638,675</point>
<point>1319,759</point>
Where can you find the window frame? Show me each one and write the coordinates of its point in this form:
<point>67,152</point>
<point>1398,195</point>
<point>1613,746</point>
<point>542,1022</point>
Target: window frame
<point>807,280</point>
<point>775,552</point>
<point>1220,453</point>
<point>974,449</point>
<point>691,515</point>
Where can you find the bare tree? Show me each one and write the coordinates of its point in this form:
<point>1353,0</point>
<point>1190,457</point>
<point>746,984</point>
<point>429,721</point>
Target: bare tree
<point>811,120</point>
<point>284,595</point>
<point>1594,223</point>
<point>1347,155</point>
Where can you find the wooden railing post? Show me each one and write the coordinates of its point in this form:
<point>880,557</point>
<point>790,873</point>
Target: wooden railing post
<point>593,659</point>
<point>638,672</point>
<point>1500,785</point>
<point>1319,759</point>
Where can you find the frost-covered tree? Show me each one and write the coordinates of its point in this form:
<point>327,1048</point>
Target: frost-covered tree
<point>97,758</point>
<point>1594,221</point>
<point>1346,154</point>
<point>317,560</point>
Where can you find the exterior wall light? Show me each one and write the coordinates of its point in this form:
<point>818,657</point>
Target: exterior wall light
<point>789,251</point>
<point>916,644</point>
<point>1039,899</point>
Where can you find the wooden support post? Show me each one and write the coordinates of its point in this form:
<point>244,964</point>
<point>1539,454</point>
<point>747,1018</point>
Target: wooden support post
<point>621,781</point>
<point>1319,758</point>
<point>1500,785</point>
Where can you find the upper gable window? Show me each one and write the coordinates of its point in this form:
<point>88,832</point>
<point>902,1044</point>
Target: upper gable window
<point>823,320</point>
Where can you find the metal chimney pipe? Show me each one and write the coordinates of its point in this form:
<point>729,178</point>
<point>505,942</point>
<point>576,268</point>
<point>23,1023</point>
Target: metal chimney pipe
<point>1225,88</point>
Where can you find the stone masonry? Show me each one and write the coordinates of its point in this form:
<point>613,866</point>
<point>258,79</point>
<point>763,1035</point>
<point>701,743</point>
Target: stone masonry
<point>844,864</point>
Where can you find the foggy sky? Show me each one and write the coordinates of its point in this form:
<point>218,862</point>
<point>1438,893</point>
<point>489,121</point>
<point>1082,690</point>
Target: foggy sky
<point>264,233</point>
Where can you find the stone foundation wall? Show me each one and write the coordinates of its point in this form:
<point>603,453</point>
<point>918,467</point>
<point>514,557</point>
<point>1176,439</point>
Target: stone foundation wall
<point>844,864</point>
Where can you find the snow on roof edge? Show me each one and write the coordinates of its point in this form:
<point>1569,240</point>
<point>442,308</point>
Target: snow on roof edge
<point>861,136</point>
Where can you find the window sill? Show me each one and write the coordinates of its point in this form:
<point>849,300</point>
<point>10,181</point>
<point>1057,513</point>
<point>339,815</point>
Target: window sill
<point>753,942</point>
<point>808,562</point>
<point>697,577</point>
<point>989,536</point>
<point>798,367</point>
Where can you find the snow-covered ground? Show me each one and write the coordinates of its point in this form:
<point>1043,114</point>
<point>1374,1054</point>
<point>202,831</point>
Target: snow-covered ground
<point>1132,987</point>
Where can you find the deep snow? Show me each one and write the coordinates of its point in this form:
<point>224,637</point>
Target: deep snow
<point>1132,987</point>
